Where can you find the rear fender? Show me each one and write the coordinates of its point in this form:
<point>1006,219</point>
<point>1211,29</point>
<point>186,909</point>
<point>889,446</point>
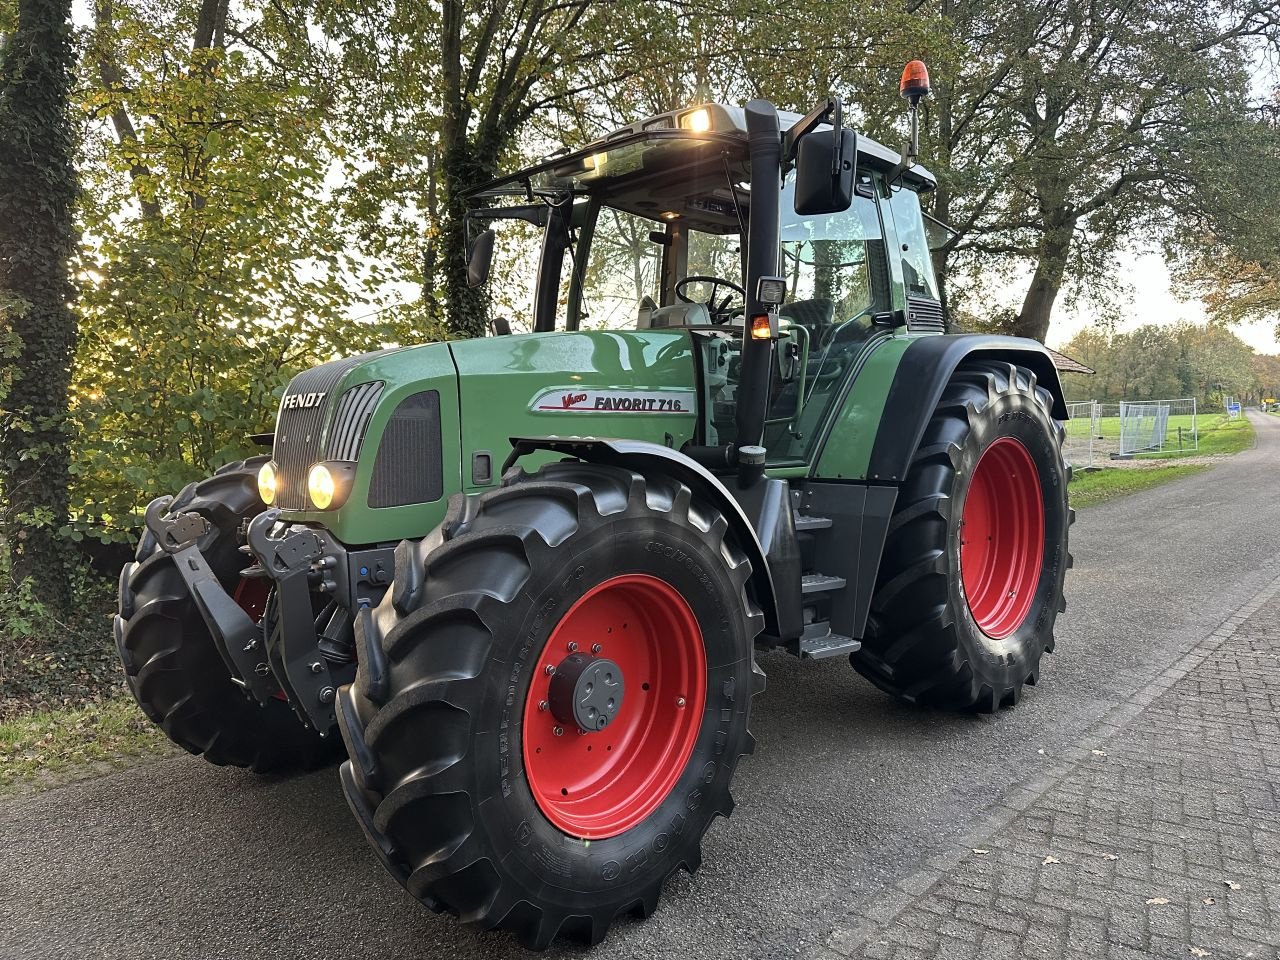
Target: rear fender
<point>645,457</point>
<point>923,373</point>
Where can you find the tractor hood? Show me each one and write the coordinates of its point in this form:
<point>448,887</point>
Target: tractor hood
<point>410,427</point>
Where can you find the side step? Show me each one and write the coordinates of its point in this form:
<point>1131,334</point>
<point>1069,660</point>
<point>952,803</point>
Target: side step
<point>819,642</point>
<point>820,583</point>
<point>805,522</point>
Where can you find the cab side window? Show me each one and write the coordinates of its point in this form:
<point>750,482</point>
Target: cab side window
<point>917,265</point>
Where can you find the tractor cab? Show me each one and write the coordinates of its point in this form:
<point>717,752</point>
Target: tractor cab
<point>649,228</point>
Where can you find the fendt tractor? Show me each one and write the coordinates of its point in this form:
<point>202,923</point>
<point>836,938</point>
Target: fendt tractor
<point>522,578</point>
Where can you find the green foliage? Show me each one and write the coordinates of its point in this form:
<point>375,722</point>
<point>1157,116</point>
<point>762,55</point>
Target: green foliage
<point>217,265</point>
<point>50,659</point>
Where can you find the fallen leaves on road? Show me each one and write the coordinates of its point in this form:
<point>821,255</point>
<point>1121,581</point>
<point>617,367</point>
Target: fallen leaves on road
<point>1197,952</point>
<point>1109,856</point>
<point>1158,901</point>
<point>1099,753</point>
<point>981,853</point>
<point>1209,901</point>
<point>1231,884</point>
<point>1049,860</point>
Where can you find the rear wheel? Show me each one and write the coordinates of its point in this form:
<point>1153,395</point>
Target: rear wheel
<point>552,700</point>
<point>171,664</point>
<point>971,579</point>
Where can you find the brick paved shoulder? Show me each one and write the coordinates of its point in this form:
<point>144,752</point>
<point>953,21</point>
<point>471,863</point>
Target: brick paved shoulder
<point>1163,842</point>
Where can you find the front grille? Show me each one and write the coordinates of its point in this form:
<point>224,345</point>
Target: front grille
<point>409,468</point>
<point>924,315</point>
<point>352,420</point>
<point>299,429</point>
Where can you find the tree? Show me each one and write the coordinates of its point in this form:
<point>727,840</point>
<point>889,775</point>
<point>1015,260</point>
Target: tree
<point>37,241</point>
<point>1063,131</point>
<point>441,97</point>
<point>216,263</point>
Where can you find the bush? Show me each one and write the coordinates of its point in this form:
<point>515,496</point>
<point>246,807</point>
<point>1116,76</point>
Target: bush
<point>48,663</point>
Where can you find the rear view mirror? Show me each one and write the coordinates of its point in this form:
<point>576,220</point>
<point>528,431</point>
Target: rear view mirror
<point>480,259</point>
<point>825,169</point>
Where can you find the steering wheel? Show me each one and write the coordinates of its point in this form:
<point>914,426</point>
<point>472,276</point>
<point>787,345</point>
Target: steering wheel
<point>718,310</point>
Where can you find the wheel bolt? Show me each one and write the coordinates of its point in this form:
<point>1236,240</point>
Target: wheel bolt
<point>679,701</point>
<point>542,705</point>
<point>573,645</point>
<point>558,731</point>
<point>596,648</point>
<point>551,669</point>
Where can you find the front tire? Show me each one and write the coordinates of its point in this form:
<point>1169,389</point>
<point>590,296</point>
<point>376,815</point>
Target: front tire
<point>173,669</point>
<point>469,772</point>
<point>971,578</point>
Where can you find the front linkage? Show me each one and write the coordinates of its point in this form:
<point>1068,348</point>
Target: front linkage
<point>303,648</point>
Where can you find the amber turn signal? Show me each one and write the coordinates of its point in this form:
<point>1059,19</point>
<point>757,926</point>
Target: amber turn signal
<point>761,329</point>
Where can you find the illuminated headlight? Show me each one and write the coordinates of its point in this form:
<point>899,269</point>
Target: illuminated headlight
<point>267,483</point>
<point>329,483</point>
<point>699,121</point>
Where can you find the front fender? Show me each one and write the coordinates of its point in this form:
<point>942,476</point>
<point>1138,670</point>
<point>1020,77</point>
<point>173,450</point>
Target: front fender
<point>643,457</point>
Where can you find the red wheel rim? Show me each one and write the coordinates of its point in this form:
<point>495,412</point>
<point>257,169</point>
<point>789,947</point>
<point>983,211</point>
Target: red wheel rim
<point>1002,537</point>
<point>596,785</point>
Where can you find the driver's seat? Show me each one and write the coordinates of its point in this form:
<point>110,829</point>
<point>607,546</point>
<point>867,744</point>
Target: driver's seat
<point>676,315</point>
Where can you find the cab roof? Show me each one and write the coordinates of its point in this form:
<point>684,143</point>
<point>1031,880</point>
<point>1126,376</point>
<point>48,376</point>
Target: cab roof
<point>712,125</point>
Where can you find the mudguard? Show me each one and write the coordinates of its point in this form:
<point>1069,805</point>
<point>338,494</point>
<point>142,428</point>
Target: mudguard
<point>921,369</point>
<point>642,456</point>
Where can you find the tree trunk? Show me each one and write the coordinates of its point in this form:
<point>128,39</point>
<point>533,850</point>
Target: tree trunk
<point>462,168</point>
<point>37,240</point>
<point>1051,265</point>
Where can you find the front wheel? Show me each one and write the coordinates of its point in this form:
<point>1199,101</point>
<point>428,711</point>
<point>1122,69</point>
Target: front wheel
<point>552,700</point>
<point>971,578</point>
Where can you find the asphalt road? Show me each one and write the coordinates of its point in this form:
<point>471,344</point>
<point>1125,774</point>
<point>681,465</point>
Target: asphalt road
<point>848,789</point>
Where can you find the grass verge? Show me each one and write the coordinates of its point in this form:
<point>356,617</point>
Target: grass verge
<point>1218,435</point>
<point>46,742</point>
<point>1099,486</point>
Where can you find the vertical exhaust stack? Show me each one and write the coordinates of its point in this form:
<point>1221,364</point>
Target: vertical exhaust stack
<point>765,145</point>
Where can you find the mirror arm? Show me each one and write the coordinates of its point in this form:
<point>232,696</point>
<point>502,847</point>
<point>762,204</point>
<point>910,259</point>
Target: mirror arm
<point>805,125</point>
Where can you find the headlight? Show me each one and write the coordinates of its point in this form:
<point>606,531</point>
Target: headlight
<point>329,483</point>
<point>267,483</point>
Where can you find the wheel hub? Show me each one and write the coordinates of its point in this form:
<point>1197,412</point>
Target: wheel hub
<point>586,691</point>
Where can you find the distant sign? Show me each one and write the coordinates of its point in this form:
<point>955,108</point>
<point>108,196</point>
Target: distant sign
<point>1268,399</point>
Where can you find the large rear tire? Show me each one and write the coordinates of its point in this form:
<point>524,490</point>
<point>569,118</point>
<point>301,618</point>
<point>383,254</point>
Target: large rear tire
<point>471,773</point>
<point>170,662</point>
<point>971,579</point>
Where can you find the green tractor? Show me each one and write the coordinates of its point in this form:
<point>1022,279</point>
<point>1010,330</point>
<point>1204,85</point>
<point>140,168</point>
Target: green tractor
<point>522,578</point>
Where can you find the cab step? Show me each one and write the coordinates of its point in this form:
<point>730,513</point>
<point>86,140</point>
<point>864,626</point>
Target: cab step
<point>818,642</point>
<point>805,522</point>
<point>820,583</point>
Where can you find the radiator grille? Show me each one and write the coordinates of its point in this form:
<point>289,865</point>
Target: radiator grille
<point>924,315</point>
<point>352,420</point>
<point>409,468</point>
<point>299,429</point>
